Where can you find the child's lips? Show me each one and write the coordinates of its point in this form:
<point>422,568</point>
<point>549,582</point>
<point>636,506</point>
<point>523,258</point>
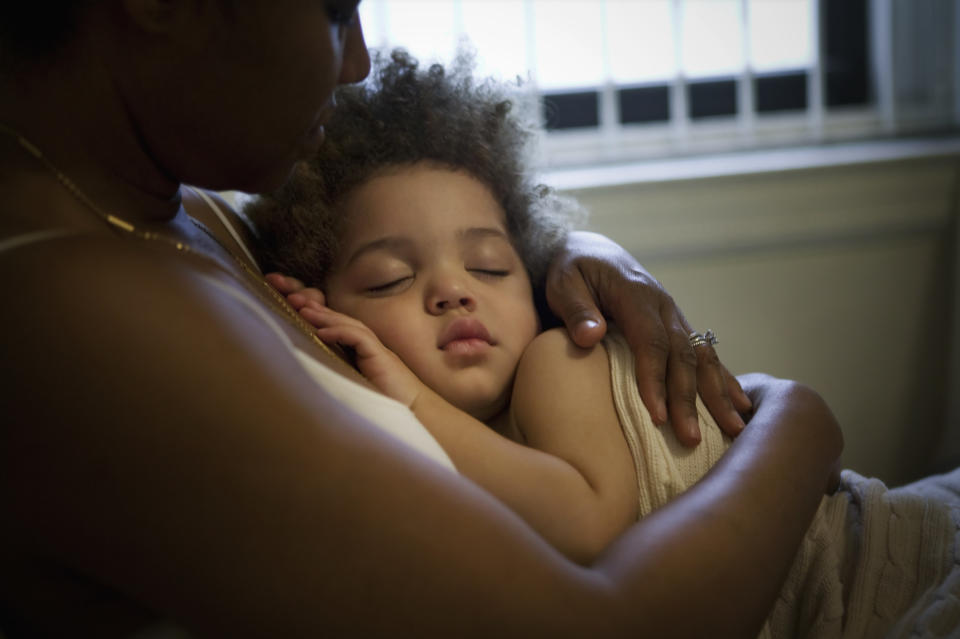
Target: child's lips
<point>470,347</point>
<point>465,335</point>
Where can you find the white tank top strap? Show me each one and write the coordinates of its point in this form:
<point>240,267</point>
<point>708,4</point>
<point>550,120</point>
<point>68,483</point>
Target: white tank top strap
<point>226,223</point>
<point>11,243</point>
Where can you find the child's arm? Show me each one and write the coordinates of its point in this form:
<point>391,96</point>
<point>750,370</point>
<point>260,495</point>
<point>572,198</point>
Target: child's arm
<point>582,494</point>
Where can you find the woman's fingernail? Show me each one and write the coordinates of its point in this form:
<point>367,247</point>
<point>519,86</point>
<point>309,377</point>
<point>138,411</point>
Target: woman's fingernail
<point>589,324</point>
<point>661,416</point>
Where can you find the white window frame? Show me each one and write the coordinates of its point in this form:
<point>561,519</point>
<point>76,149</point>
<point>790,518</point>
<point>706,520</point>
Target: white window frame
<point>915,64</point>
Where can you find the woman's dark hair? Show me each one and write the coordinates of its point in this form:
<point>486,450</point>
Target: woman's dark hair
<point>32,30</point>
<point>401,116</point>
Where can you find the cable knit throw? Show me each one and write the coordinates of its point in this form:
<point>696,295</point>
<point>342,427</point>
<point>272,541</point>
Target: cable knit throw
<point>874,562</point>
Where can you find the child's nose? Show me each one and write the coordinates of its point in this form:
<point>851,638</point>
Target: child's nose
<point>450,294</point>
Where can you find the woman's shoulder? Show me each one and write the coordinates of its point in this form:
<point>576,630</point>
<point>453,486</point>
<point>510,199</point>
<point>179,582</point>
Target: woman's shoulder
<point>61,268</point>
<point>86,301</point>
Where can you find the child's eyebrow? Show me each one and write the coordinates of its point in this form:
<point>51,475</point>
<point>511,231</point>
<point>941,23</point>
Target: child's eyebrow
<point>482,232</point>
<point>395,243</point>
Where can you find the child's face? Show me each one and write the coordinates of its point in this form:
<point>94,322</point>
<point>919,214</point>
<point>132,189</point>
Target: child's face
<point>427,264</point>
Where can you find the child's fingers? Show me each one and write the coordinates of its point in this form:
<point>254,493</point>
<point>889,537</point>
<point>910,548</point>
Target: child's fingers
<point>359,338</point>
<point>284,283</point>
<point>297,294</point>
<point>307,298</point>
<point>321,316</point>
<point>337,328</point>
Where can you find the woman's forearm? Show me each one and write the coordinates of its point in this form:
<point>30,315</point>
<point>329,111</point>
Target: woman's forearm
<point>728,543</point>
<point>711,562</point>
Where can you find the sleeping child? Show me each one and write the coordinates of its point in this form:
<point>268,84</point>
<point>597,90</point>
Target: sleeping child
<point>441,243</point>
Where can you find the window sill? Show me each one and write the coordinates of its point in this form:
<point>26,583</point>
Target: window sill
<point>750,162</point>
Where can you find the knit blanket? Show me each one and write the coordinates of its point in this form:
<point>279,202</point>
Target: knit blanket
<point>875,562</point>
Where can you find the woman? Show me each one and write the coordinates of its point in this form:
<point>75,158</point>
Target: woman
<point>167,452</point>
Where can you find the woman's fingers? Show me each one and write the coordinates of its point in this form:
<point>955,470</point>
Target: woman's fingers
<point>720,391</point>
<point>592,272</point>
<point>570,297</point>
<point>650,341</point>
<point>682,383</point>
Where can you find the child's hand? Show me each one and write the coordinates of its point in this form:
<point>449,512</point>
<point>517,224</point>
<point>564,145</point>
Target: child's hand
<point>378,363</point>
<point>298,295</point>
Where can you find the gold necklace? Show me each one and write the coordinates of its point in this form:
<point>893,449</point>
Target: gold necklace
<point>274,298</point>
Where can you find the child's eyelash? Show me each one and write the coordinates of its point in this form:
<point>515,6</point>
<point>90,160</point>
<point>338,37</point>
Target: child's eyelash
<point>491,272</point>
<point>380,288</point>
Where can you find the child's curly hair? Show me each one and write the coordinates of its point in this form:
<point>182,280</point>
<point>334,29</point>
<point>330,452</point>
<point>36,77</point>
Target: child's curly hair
<point>401,116</point>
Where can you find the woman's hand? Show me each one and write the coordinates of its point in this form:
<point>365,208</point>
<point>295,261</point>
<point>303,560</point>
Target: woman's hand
<point>379,364</point>
<point>592,271</point>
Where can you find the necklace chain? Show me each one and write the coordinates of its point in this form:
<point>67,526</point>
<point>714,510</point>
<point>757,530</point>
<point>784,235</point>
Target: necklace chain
<point>273,298</point>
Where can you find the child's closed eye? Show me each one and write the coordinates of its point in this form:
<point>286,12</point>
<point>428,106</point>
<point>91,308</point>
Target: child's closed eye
<point>392,286</point>
<point>490,272</point>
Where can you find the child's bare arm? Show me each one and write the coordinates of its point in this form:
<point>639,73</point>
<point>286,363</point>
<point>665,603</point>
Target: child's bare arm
<point>579,492</point>
<point>563,405</point>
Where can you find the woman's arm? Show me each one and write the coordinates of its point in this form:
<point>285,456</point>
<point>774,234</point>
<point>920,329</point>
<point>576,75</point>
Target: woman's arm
<point>159,441</point>
<point>747,515</point>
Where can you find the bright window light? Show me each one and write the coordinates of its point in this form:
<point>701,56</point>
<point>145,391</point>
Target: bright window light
<point>374,29</point>
<point>712,35</point>
<point>584,43</point>
<point>640,40</point>
<point>569,43</point>
<point>780,34</point>
<point>425,28</point>
<point>498,31</point>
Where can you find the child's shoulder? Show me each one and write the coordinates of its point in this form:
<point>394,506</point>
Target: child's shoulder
<point>553,366</point>
<point>555,347</point>
<point>562,399</point>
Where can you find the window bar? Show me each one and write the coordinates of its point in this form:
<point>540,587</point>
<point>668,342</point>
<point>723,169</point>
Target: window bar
<point>679,112</point>
<point>533,91</point>
<point>746,107</point>
<point>609,116</point>
<point>815,75</point>
<point>956,120</point>
<point>881,28</point>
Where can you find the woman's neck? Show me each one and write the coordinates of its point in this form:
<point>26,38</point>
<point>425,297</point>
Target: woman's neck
<point>74,117</point>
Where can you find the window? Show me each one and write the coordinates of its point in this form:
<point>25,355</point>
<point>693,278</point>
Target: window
<point>621,80</point>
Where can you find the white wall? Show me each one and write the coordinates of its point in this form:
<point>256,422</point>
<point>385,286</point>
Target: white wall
<point>842,277</point>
